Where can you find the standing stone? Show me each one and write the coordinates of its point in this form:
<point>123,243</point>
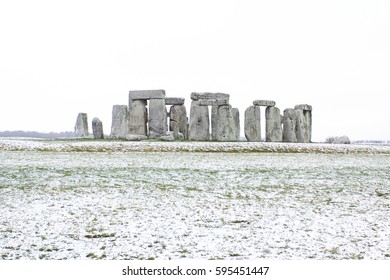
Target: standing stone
<point>138,117</point>
<point>81,127</point>
<point>157,118</point>
<point>236,117</point>
<point>252,127</point>
<point>273,125</point>
<point>226,124</point>
<point>214,113</point>
<point>307,120</point>
<point>308,126</point>
<point>97,129</point>
<point>178,121</point>
<point>289,118</point>
<point>120,121</point>
<point>300,126</point>
<point>199,127</point>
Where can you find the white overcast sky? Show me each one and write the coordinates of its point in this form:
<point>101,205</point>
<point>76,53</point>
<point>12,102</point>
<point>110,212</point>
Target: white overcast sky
<point>59,58</point>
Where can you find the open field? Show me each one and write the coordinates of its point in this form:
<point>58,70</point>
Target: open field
<point>108,200</point>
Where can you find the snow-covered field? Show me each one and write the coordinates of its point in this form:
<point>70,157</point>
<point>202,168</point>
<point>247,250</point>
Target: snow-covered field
<point>120,200</point>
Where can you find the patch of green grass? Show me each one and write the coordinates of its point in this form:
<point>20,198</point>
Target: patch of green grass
<point>334,250</point>
<point>356,256</point>
<point>380,194</point>
<point>234,254</point>
<point>240,222</point>
<point>100,235</point>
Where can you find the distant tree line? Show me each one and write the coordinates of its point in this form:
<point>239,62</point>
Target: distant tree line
<point>35,134</point>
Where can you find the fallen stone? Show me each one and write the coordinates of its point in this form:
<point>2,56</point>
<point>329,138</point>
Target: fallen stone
<point>178,121</point>
<point>138,117</point>
<point>174,101</point>
<point>303,107</point>
<point>213,102</point>
<point>97,129</point>
<point>146,94</point>
<point>81,127</point>
<point>267,103</point>
<point>168,137</point>
<point>226,124</point>
<point>157,118</point>
<point>120,122</point>
<point>199,127</point>
<point>252,127</point>
<point>209,95</point>
<point>341,140</point>
<point>134,137</point>
<point>273,125</point>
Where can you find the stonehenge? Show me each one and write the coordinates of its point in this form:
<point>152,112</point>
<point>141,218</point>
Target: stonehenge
<point>224,119</point>
<point>211,117</point>
<point>294,126</point>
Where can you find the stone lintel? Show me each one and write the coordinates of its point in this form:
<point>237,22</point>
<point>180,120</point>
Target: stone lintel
<point>209,95</point>
<point>267,103</point>
<point>213,102</point>
<point>146,94</point>
<point>303,107</point>
<point>174,101</point>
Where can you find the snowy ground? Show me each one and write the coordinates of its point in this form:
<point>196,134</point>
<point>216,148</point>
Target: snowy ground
<point>59,200</point>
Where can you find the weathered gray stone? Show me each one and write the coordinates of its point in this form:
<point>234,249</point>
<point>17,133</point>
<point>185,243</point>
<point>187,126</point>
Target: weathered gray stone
<point>307,125</point>
<point>289,121</point>
<point>199,127</point>
<point>168,137</point>
<point>81,127</point>
<point>178,121</point>
<point>252,127</point>
<point>303,107</point>
<point>134,137</point>
<point>214,112</point>
<point>157,118</point>
<point>213,102</point>
<point>267,103</point>
<point>120,121</point>
<point>236,117</point>
<point>209,95</point>
<point>306,119</point>
<point>226,124</point>
<point>341,140</point>
<point>146,94</point>
<point>174,101</point>
<point>273,125</point>
<point>300,126</point>
<point>138,117</point>
<point>97,129</point>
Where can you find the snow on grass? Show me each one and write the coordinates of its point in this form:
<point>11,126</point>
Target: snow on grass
<point>90,145</point>
<point>214,205</point>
